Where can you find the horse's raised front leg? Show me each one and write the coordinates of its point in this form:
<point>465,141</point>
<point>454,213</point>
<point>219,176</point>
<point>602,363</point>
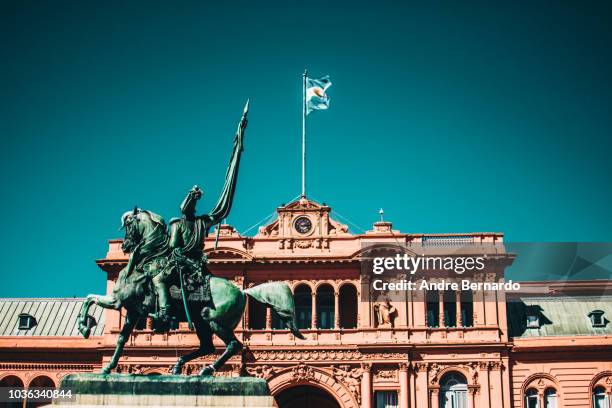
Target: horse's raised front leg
<point>233,347</point>
<point>206,345</point>
<point>124,335</point>
<point>107,302</point>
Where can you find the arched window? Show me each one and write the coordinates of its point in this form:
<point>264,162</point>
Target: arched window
<point>40,382</point>
<point>600,399</point>
<point>550,398</point>
<point>450,308</point>
<point>453,391</point>
<point>12,381</point>
<point>467,308</point>
<point>531,398</point>
<point>348,306</point>
<point>303,306</point>
<point>325,307</point>
<point>433,308</point>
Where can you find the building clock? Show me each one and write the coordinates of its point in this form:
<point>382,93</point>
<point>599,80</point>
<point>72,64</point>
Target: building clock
<point>303,225</point>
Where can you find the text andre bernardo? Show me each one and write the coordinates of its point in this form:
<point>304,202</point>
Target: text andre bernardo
<point>404,264</point>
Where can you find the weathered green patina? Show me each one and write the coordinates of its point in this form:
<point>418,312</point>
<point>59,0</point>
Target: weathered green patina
<point>131,384</point>
<point>159,259</point>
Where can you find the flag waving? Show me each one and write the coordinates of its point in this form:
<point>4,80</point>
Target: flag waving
<point>316,98</point>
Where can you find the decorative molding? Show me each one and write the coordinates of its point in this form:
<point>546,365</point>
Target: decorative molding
<point>309,355</point>
<point>350,377</point>
<point>46,367</point>
<point>261,371</point>
<point>385,375</point>
<point>303,243</point>
<point>302,372</point>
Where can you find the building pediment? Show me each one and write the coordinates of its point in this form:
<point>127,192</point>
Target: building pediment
<point>303,220</point>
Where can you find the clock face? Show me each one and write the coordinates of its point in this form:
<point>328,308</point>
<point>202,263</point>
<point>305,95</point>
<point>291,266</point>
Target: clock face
<point>303,225</point>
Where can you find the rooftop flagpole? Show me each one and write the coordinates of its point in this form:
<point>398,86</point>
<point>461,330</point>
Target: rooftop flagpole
<point>304,134</point>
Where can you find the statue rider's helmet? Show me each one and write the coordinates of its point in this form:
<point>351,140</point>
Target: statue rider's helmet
<point>188,206</point>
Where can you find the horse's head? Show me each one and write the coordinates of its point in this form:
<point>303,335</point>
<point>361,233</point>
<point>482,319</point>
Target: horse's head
<point>141,224</point>
<point>130,221</point>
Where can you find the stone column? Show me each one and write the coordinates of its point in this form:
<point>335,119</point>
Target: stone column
<point>496,382</point>
<point>404,394</point>
<point>364,316</point>
<point>435,398</point>
<point>336,309</point>
<point>313,321</point>
<point>441,308</point>
<point>484,385</point>
<point>503,317</point>
<point>268,318</point>
<point>366,385</point>
<point>506,380</point>
<point>490,303</point>
<point>420,392</point>
<point>472,398</point>
<point>458,308</point>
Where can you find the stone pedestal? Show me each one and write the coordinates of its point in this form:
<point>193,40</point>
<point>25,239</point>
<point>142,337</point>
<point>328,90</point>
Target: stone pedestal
<point>128,390</point>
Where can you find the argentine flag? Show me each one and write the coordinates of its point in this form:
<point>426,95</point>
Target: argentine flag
<point>316,98</point>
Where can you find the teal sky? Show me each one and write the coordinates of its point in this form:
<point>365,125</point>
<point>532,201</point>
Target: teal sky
<point>453,117</point>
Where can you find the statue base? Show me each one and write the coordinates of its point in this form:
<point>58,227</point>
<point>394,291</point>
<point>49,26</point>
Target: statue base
<point>130,390</point>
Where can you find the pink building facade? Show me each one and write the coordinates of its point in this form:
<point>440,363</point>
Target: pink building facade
<point>485,350</point>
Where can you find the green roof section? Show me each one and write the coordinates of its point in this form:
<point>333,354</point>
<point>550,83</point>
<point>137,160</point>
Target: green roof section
<point>559,316</point>
<point>54,317</point>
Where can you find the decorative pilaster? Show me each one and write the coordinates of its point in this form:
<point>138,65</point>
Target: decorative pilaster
<point>458,309</point>
<point>366,385</point>
<point>313,322</point>
<point>404,394</point>
<point>485,386</point>
<point>441,308</point>
<point>268,318</point>
<point>336,309</point>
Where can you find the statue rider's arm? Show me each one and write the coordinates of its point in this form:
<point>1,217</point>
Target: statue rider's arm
<point>224,204</point>
<point>176,239</point>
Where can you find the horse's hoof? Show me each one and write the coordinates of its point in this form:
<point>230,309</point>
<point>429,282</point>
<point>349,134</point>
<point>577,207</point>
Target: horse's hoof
<point>85,331</point>
<point>176,370</point>
<point>207,371</point>
<point>105,370</point>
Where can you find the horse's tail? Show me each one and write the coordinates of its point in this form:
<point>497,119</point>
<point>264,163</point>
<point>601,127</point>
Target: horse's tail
<point>278,296</point>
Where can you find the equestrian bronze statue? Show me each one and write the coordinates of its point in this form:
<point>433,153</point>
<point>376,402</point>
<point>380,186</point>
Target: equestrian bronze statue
<point>167,277</point>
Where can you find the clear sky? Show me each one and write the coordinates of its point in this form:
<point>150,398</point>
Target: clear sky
<point>452,116</point>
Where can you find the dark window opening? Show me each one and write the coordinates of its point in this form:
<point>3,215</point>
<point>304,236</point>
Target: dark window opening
<point>325,307</point>
<point>303,306</point>
<point>450,308</point>
<point>257,315</point>
<point>348,307</point>
<point>467,309</point>
<point>433,308</point>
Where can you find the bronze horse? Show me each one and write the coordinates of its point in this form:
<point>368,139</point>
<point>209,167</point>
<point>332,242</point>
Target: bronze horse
<point>146,239</point>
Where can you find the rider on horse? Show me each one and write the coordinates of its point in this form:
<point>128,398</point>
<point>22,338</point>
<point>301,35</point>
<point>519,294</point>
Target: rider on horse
<point>187,235</point>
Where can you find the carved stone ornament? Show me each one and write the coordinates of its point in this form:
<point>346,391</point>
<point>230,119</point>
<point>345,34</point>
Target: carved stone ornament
<point>434,370</point>
<point>385,375</point>
<point>350,377</point>
<point>302,372</point>
<point>261,371</point>
<point>303,243</point>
